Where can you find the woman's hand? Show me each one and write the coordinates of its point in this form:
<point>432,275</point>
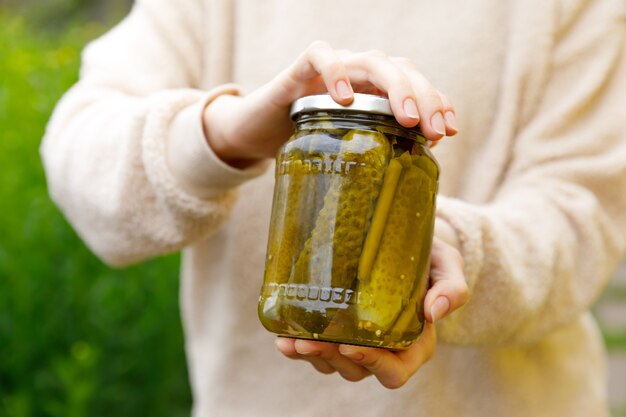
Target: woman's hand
<point>448,292</point>
<point>244,129</point>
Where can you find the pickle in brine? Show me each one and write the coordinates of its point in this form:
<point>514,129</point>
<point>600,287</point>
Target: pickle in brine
<point>282,248</point>
<point>413,314</point>
<point>377,226</point>
<point>397,264</point>
<point>330,255</point>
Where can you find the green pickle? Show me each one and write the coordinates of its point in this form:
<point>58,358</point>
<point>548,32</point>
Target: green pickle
<point>385,199</point>
<point>342,220</point>
<point>282,244</point>
<point>298,198</point>
<point>301,191</point>
<point>395,270</point>
<point>412,313</point>
<point>281,248</point>
<point>348,253</point>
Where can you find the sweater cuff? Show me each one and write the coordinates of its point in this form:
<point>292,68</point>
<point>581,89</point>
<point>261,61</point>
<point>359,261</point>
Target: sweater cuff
<point>445,232</point>
<point>465,221</point>
<point>197,169</point>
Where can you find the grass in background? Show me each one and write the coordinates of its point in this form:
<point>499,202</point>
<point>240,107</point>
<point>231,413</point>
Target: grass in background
<point>76,338</point>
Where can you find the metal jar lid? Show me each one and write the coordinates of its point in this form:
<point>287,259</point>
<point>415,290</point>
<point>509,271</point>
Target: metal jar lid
<point>362,103</point>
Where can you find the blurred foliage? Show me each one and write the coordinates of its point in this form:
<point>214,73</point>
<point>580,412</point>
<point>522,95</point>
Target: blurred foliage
<point>615,338</point>
<point>76,338</point>
<point>56,15</point>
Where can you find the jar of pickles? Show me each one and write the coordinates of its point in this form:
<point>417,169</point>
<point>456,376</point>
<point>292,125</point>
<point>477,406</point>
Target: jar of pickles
<point>351,229</point>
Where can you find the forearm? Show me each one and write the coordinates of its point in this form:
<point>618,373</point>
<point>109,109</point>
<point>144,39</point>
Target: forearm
<point>108,158</point>
<point>534,261</point>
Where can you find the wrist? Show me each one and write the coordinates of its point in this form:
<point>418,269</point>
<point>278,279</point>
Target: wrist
<point>218,124</point>
<point>445,232</point>
<point>197,169</point>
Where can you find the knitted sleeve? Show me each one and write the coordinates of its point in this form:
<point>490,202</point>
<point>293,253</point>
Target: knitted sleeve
<point>108,147</point>
<point>541,251</point>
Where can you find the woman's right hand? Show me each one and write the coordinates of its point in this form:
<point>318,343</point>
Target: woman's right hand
<point>243,130</point>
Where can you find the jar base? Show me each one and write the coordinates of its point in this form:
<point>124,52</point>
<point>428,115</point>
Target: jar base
<point>383,343</point>
<point>336,320</point>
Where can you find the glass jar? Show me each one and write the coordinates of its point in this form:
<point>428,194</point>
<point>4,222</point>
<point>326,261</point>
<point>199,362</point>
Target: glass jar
<point>348,256</point>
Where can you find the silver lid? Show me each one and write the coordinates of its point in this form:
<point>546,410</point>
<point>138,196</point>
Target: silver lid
<point>365,103</point>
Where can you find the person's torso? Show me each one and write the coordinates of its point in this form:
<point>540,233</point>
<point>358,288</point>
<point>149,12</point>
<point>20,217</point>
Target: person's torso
<point>236,371</point>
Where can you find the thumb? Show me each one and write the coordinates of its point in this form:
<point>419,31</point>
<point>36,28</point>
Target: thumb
<point>448,289</point>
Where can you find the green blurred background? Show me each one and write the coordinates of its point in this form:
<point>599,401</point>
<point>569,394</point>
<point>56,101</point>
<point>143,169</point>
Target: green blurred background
<point>78,338</point>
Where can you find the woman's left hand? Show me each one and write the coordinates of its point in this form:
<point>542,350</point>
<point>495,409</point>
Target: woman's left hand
<point>393,369</point>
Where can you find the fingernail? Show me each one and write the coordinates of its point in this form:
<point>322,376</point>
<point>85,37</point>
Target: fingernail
<point>305,352</point>
<point>438,124</point>
<point>439,308</point>
<point>343,91</point>
<point>451,121</point>
<point>280,342</point>
<point>352,354</point>
<point>410,108</point>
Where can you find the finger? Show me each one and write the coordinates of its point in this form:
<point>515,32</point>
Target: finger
<point>321,365</point>
<point>393,369</point>
<point>448,289</point>
<point>449,116</point>
<point>429,101</point>
<point>329,352</point>
<point>361,86</point>
<point>421,351</point>
<point>286,346</point>
<point>320,59</point>
<point>384,364</point>
<point>377,69</point>
<point>368,89</point>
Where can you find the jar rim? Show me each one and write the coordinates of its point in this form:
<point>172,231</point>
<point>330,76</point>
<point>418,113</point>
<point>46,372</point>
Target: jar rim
<point>362,103</point>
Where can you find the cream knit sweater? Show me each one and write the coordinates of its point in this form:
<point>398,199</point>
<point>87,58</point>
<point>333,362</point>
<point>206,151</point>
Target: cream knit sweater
<point>534,186</point>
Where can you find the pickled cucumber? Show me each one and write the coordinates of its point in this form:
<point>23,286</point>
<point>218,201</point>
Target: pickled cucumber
<point>282,248</point>
<point>301,186</point>
<point>330,255</point>
<point>327,260</point>
<point>398,261</point>
<point>385,198</point>
<point>413,313</point>
<point>428,165</point>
